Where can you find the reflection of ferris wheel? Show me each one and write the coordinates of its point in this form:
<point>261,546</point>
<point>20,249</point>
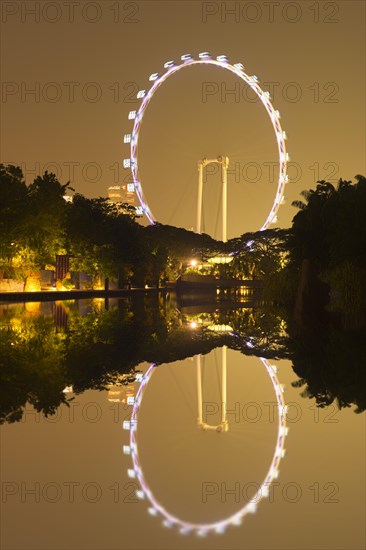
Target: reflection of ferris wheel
<point>221,61</point>
<point>202,529</point>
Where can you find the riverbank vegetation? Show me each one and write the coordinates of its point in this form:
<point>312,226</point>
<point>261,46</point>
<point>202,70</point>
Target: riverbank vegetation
<point>52,352</point>
<point>320,259</point>
<point>106,240</point>
<point>328,244</point>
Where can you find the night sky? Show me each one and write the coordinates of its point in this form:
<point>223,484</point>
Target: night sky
<point>87,63</point>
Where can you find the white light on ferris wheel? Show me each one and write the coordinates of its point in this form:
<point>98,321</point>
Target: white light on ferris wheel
<point>222,58</point>
<point>139,210</point>
<point>141,94</point>
<point>126,425</point>
<point>126,163</point>
<point>168,64</point>
<point>131,115</point>
<point>167,523</point>
<point>252,507</point>
<point>127,138</point>
<point>126,450</point>
<point>140,494</point>
<point>239,66</point>
<point>130,400</point>
<point>186,57</point>
<point>280,452</point>
<point>153,77</point>
<point>131,473</point>
<point>138,377</point>
<point>204,55</point>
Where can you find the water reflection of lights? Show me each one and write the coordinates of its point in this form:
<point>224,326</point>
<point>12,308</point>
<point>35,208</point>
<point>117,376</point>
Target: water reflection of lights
<point>202,529</point>
<point>220,328</point>
<point>122,390</point>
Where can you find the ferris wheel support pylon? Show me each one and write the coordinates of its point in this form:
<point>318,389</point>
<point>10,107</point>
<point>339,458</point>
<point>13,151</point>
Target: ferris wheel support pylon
<point>224,163</point>
<point>223,426</point>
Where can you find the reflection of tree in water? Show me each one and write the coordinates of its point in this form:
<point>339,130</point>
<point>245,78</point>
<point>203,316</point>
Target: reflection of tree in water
<point>104,347</point>
<point>265,328</point>
<point>32,368</point>
<point>331,365</point>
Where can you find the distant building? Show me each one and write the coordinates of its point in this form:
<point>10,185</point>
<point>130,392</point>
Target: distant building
<point>122,391</point>
<point>119,194</point>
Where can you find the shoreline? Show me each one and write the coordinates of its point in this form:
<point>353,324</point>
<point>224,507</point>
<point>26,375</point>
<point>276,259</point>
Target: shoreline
<point>50,296</point>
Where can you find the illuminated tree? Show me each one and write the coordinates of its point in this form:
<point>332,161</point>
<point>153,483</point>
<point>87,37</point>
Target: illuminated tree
<point>13,203</point>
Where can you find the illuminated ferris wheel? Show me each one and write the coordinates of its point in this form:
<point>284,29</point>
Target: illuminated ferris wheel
<point>157,79</point>
<point>157,509</point>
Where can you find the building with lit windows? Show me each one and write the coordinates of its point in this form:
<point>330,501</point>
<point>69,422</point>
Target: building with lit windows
<point>120,194</point>
<point>122,391</point>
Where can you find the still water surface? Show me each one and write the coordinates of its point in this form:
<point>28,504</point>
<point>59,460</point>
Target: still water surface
<point>102,441</point>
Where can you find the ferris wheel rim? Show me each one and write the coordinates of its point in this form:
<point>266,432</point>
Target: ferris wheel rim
<point>238,69</point>
<point>203,529</point>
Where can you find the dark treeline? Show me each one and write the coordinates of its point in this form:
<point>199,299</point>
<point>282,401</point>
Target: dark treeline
<point>328,243</point>
<point>105,240</point>
<point>322,253</point>
<point>321,257</point>
<point>319,262</point>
